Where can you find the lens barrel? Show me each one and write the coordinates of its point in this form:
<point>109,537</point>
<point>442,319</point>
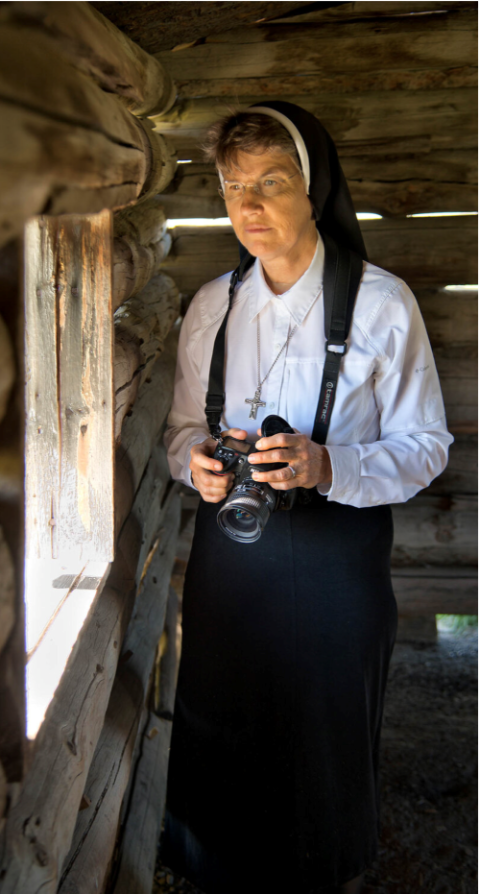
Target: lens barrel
<point>245,513</point>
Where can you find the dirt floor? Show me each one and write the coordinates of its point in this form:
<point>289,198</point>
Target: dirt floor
<point>429,801</point>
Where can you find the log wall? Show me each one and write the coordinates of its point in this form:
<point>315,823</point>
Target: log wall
<point>93,121</point>
<point>75,93</point>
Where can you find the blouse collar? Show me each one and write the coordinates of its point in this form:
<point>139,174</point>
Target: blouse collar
<point>299,298</point>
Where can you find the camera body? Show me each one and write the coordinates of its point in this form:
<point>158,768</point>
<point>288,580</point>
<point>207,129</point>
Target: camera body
<point>250,503</point>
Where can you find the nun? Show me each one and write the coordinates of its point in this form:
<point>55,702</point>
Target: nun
<point>273,781</point>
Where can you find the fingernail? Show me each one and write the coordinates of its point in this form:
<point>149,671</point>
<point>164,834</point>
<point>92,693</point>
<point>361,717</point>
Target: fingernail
<point>255,475</point>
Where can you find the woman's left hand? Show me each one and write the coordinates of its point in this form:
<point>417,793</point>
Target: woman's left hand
<point>310,461</point>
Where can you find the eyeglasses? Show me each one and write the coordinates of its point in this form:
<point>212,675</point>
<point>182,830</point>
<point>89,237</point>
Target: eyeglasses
<point>269,187</point>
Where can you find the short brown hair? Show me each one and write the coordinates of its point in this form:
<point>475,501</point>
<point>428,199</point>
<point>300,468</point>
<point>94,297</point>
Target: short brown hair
<point>248,132</point>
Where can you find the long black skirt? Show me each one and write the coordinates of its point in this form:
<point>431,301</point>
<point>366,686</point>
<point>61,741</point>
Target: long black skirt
<point>275,741</point>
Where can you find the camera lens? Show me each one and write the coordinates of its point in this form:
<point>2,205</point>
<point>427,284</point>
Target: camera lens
<point>245,513</point>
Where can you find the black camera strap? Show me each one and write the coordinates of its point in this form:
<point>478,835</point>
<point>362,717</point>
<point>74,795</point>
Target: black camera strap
<point>216,395</point>
<point>343,271</point>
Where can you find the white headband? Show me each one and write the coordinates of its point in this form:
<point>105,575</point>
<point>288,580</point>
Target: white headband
<point>295,135</point>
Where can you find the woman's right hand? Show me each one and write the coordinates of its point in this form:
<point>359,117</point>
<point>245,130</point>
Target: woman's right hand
<point>213,488</point>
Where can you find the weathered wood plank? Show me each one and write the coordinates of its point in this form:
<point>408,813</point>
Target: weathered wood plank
<point>329,82</point>
<point>435,530</point>
<point>7,592</point>
<point>349,118</point>
<point>40,827</point>
<point>461,474</point>
<point>138,848</point>
<point>141,327</point>
<point>84,521</point>
<point>7,368</point>
<point>64,140</point>
<point>141,429</point>
<point>87,864</point>
<point>141,244</point>
<point>433,591</point>
<point>324,47</point>
<point>97,47</point>
<point>42,452</point>
<point>433,12</point>
<point>450,317</point>
<point>426,252</point>
<point>168,658</point>
<point>174,23</point>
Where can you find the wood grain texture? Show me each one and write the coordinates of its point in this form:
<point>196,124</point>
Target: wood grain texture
<point>141,327</point>
<point>42,453</point>
<point>154,27</point>
<point>138,846</point>
<point>64,142</point>
<point>7,368</point>
<point>351,119</point>
<point>141,244</point>
<point>7,592</point>
<point>85,371</point>
<point>426,252</point>
<point>87,864</point>
<point>296,49</point>
<point>40,827</point>
<point>435,530</point>
<point>92,43</point>
<point>432,591</point>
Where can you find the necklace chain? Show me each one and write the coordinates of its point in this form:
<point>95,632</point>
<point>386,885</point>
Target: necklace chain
<point>291,333</point>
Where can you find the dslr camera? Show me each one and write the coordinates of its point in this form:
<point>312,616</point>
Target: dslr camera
<point>250,503</point>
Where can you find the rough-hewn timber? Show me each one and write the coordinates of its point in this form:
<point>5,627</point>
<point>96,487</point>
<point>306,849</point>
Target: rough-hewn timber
<point>97,47</point>
<point>141,326</point>
<point>177,24</point>
<point>87,864</point>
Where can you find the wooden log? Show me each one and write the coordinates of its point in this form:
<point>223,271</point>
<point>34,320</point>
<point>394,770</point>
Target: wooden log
<point>7,368</point>
<point>294,49</point>
<point>138,847</point>
<point>141,327</point>
<point>42,441</point>
<point>40,827</point>
<point>450,317</point>
<point>98,48</point>
<point>68,292</point>
<point>349,118</point>
<point>426,252</point>
<point>87,864</point>
<point>329,82</point>
<point>461,474</point>
<point>168,660</point>
<point>423,592</point>
<point>141,244</point>
<point>7,592</point>
<point>64,142</point>
<point>141,429</point>
<point>382,10</point>
<point>144,222</point>
<point>175,24</point>
<point>435,530</point>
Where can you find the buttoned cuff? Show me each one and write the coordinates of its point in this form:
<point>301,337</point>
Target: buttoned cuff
<point>345,474</point>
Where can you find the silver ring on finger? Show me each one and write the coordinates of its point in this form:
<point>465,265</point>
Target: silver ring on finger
<point>292,471</point>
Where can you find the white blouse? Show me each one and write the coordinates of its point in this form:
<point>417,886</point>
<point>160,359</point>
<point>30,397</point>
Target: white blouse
<point>388,437</point>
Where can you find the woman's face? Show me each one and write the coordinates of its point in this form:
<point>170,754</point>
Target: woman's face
<point>270,227</point>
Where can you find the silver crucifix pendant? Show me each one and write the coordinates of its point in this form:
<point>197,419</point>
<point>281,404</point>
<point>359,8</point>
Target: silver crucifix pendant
<point>256,403</point>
